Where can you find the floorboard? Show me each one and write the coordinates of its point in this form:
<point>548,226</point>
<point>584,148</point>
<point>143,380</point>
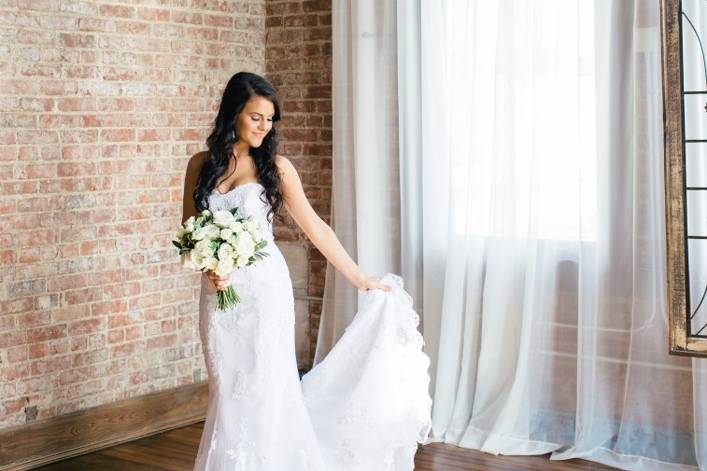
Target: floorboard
<point>175,450</point>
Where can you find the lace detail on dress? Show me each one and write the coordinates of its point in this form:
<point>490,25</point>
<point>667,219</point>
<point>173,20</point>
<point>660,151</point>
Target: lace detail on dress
<point>244,455</point>
<point>215,355</point>
<point>356,414</point>
<point>240,385</point>
<point>345,454</point>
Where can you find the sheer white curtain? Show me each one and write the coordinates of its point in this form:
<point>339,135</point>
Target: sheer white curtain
<point>366,197</point>
<point>553,326</point>
<point>531,208</point>
<point>381,187</point>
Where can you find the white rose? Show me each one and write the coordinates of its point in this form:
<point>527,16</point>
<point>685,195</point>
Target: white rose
<point>187,261</point>
<point>189,224</point>
<point>226,233</point>
<point>226,251</point>
<point>197,259</point>
<point>224,267</point>
<point>210,231</point>
<point>223,218</point>
<point>255,231</point>
<point>213,231</point>
<point>210,263</point>
<point>204,248</point>
<point>245,247</point>
<point>198,234</point>
<point>242,261</point>
<point>236,227</point>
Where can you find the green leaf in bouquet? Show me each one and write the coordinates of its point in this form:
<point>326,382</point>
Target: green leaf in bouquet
<point>203,219</point>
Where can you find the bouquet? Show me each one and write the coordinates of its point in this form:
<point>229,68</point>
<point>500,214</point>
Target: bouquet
<point>220,242</point>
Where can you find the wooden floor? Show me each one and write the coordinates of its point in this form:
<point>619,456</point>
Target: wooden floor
<point>175,451</point>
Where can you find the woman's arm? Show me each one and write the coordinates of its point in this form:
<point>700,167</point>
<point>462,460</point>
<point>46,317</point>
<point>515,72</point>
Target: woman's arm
<point>319,232</point>
<point>190,179</point>
<point>189,208</point>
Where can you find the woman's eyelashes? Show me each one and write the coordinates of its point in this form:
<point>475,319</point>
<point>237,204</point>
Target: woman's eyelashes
<point>257,118</point>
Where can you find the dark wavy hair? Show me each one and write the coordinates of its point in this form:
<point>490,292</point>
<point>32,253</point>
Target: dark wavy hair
<point>240,88</point>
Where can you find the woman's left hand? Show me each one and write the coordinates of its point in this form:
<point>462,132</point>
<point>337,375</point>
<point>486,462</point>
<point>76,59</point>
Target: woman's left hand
<point>374,283</point>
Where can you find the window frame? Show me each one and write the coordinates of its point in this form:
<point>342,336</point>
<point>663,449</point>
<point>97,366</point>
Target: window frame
<point>680,342</point>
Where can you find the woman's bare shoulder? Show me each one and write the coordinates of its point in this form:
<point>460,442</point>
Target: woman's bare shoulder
<point>283,164</point>
<point>196,161</point>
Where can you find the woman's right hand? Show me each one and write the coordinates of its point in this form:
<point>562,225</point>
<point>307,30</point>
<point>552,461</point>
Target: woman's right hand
<point>374,283</point>
<point>220,282</point>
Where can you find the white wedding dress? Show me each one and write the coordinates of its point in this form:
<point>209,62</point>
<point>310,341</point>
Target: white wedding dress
<point>363,408</point>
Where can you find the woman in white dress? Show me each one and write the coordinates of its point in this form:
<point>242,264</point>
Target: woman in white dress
<point>366,405</point>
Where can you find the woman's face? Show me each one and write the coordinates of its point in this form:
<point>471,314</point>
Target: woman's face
<point>255,121</point>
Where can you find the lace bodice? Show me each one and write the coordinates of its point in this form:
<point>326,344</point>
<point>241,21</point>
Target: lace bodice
<point>250,200</point>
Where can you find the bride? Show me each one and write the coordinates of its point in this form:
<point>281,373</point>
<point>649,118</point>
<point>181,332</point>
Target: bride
<point>366,405</point>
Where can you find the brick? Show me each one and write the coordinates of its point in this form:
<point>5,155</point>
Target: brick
<point>51,365</point>
<point>108,307</point>
<point>14,372</point>
<point>78,390</point>
<point>85,326</point>
<point>89,357</point>
<point>37,350</point>
<point>161,342</point>
<point>117,11</point>
<point>12,406</point>
<point>123,350</point>
<point>185,17</point>
<point>133,332</point>
<point>116,335</point>
<point>153,14</point>
<point>46,333</point>
<point>26,288</point>
<point>17,354</point>
<point>78,375</point>
<point>34,319</point>
<point>16,306</point>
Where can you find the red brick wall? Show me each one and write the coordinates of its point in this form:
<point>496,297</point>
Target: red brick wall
<point>298,62</point>
<point>102,103</point>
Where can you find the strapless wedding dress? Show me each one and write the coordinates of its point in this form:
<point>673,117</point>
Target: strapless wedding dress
<point>363,408</point>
